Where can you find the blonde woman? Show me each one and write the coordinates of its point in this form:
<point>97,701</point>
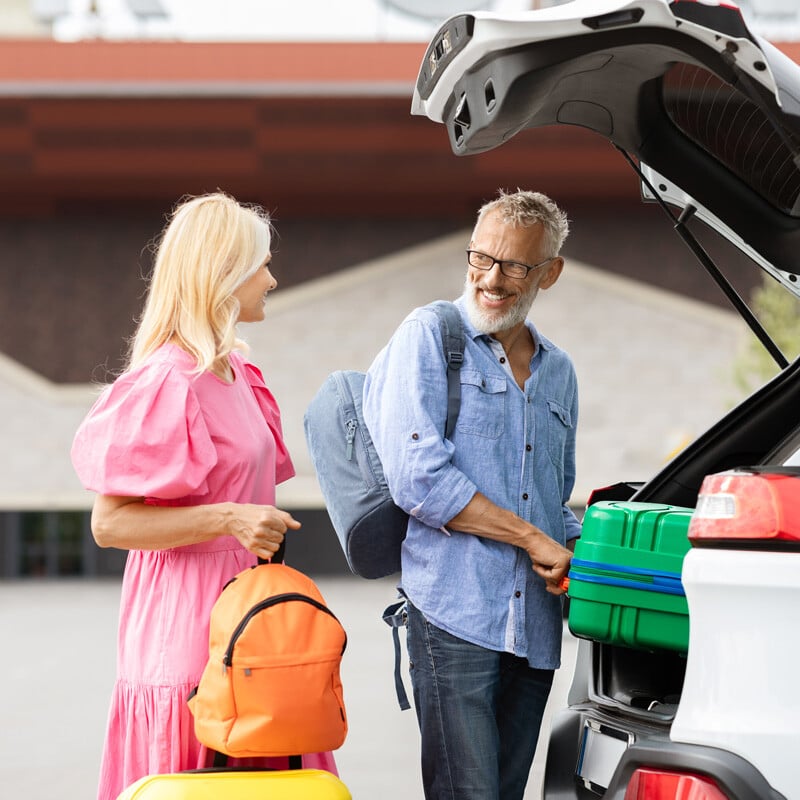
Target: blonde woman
<point>184,451</point>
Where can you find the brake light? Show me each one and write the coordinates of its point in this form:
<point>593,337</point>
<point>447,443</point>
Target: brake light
<point>654,784</point>
<point>741,505</point>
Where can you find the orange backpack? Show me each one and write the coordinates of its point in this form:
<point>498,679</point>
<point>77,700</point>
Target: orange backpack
<point>271,686</point>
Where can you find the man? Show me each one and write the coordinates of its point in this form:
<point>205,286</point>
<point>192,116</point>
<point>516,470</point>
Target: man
<point>484,553</point>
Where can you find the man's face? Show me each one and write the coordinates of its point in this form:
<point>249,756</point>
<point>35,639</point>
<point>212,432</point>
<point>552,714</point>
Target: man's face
<point>494,302</point>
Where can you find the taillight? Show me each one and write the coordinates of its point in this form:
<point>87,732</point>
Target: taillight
<point>741,505</point>
<point>655,784</point>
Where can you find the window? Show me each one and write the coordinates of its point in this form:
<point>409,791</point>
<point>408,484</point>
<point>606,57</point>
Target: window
<point>51,544</point>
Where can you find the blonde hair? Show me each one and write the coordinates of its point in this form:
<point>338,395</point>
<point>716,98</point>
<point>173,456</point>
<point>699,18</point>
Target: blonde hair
<point>211,245</point>
<point>522,209</point>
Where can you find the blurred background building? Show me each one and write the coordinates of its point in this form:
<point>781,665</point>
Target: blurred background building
<point>111,110</point>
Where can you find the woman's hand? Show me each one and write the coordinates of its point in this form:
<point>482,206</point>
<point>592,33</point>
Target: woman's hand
<point>260,529</point>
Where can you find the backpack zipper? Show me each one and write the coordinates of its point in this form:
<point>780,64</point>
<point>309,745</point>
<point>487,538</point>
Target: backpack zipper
<point>351,426</point>
<point>227,659</point>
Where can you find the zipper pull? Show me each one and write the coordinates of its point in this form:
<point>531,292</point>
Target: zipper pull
<point>351,426</point>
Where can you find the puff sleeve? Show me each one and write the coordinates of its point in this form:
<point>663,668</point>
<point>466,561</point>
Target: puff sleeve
<point>284,469</point>
<point>145,436</point>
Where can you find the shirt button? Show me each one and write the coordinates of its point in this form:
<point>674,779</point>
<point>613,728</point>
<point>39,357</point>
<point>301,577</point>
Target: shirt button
<point>528,447</point>
<point>502,360</point>
<point>525,496</point>
<point>415,436</point>
<point>517,594</point>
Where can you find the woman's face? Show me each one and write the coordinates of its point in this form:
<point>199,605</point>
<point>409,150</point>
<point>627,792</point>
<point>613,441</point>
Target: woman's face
<point>252,294</point>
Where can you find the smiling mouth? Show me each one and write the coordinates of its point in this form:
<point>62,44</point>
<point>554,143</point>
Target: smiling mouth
<point>493,297</point>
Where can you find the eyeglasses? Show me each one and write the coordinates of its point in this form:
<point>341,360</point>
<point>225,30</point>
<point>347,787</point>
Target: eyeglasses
<point>511,269</point>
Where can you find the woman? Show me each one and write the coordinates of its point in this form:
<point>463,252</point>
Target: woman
<point>184,451</point>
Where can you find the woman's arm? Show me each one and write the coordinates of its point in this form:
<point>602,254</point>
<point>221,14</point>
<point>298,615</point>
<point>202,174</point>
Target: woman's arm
<point>129,524</point>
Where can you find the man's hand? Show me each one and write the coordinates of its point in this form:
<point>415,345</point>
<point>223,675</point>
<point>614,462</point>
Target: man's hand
<point>483,518</point>
<point>550,561</point>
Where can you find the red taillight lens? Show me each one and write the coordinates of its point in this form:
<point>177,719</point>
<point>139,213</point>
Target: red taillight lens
<point>653,784</point>
<point>742,505</point>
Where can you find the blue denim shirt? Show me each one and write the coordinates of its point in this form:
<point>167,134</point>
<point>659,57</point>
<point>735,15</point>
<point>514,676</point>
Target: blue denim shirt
<point>516,447</point>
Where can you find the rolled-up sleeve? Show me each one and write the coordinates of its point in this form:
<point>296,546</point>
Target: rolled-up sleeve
<point>405,409</point>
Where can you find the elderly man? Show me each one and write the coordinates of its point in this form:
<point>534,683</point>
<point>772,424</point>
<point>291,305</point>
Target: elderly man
<point>489,528</point>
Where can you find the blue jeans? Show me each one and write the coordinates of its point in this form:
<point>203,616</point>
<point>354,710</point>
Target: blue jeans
<point>479,714</point>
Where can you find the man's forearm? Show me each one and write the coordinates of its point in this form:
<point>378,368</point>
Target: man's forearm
<point>482,517</point>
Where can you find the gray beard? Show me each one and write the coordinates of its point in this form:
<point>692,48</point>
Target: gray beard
<point>496,323</point>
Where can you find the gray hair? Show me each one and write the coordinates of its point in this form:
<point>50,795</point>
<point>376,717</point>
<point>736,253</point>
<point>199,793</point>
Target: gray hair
<point>523,209</point>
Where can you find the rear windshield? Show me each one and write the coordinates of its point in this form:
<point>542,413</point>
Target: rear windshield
<point>736,132</point>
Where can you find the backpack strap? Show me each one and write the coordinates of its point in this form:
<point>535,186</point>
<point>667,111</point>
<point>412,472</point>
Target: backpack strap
<point>278,557</point>
<point>220,762</point>
<point>452,331</point>
<point>396,617</point>
<point>453,348</point>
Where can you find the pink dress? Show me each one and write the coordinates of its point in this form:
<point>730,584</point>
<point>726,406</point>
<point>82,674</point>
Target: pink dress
<point>161,433</point>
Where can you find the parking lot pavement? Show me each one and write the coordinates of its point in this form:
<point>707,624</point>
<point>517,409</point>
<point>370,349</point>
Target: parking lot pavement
<point>57,671</point>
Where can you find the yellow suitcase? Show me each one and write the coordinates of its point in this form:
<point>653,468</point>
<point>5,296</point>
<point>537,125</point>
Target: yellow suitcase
<point>293,784</point>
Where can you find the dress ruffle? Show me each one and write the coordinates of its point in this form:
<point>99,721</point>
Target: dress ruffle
<point>142,718</point>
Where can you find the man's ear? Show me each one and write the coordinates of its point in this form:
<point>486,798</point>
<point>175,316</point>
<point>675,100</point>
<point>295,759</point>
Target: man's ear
<point>552,273</point>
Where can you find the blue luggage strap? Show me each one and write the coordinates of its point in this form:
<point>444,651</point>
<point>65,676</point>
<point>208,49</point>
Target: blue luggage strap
<point>396,616</point>
<point>649,580</point>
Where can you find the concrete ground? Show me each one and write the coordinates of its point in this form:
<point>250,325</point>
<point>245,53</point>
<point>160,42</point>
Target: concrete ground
<point>57,670</point>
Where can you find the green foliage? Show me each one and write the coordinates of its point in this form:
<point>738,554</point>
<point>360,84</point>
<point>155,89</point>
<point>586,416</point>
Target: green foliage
<point>779,312</point>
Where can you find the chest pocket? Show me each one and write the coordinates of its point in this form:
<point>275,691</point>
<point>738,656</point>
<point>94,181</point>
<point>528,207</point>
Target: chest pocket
<point>483,404</point>
<point>559,421</point>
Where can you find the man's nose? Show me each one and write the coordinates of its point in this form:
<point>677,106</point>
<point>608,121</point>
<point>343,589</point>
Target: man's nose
<point>493,276</point>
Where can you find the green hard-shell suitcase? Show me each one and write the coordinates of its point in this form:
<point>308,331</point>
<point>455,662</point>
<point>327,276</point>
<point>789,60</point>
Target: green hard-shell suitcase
<point>625,578</point>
